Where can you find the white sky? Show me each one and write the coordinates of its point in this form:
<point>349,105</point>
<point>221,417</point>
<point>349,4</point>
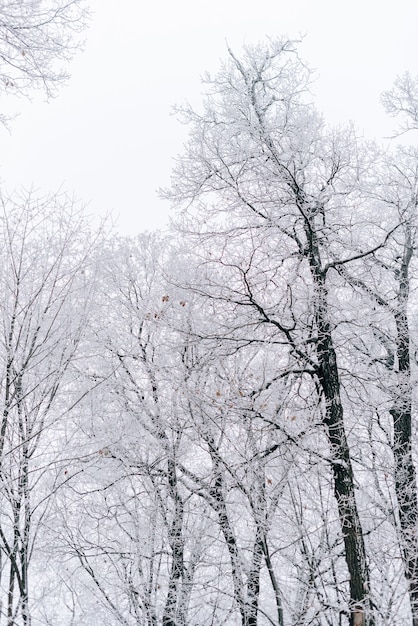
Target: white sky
<point>109,137</point>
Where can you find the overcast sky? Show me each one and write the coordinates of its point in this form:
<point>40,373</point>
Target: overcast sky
<point>109,137</point>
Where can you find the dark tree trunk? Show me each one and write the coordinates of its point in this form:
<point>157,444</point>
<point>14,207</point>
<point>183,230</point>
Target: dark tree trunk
<point>170,616</point>
<point>344,490</point>
<point>253,583</point>
<point>355,553</point>
<point>219,505</point>
<point>405,474</point>
<point>274,583</point>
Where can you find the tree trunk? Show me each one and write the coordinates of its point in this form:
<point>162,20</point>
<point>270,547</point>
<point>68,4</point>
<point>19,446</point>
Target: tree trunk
<point>253,583</point>
<point>218,504</point>
<point>177,547</point>
<point>405,474</point>
<point>344,490</point>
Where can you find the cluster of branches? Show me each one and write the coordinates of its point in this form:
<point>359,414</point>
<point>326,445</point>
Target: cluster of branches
<point>261,369</point>
<point>216,426</point>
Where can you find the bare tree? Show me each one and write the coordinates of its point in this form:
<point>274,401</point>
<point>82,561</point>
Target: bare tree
<point>142,561</point>
<point>386,280</point>
<point>402,100</point>
<point>36,40</point>
<point>47,284</point>
<point>273,201</point>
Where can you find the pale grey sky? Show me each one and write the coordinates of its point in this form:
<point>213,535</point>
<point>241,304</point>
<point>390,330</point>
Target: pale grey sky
<point>109,137</point>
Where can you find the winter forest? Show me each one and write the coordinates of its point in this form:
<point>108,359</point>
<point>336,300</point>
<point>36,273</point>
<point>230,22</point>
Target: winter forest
<point>214,425</point>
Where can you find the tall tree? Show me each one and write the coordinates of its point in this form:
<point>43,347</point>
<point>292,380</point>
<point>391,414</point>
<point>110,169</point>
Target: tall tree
<point>47,284</point>
<point>273,201</point>
<point>386,281</point>
<point>142,563</point>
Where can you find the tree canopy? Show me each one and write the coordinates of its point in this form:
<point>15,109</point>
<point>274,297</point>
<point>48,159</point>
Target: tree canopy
<point>216,425</point>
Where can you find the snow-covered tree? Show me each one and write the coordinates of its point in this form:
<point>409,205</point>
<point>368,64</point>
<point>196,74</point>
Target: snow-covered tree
<point>279,211</point>
<point>47,285</point>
